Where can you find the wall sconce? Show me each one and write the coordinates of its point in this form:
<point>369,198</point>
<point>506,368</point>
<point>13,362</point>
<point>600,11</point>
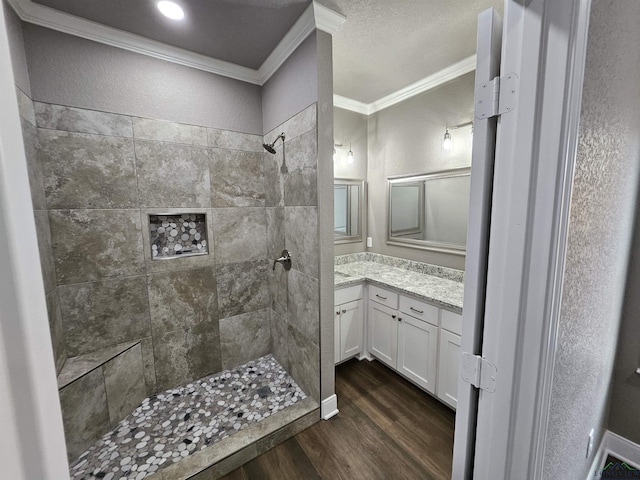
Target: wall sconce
<point>350,156</point>
<point>447,140</point>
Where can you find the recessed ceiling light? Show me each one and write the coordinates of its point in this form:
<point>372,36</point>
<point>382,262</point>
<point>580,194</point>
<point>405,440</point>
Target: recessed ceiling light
<point>171,10</point>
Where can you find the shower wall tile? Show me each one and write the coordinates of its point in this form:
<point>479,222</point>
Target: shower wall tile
<point>301,180</point>
<point>302,238</point>
<point>242,287</point>
<point>148,360</point>
<point>304,363</point>
<point>148,129</point>
<point>244,337</point>
<point>234,140</point>
<point>100,314</point>
<point>279,339</point>
<point>25,107</point>
<point>300,123</point>
<point>45,248</point>
<point>274,179</point>
<point>182,263</point>
<point>34,169</point>
<point>56,329</point>
<point>124,383</point>
<point>237,178</point>
<point>85,414</point>
<point>275,231</point>
<point>182,299</point>
<point>79,120</point>
<point>303,305</point>
<point>278,286</point>
<point>187,354</point>
<point>172,175</point>
<point>91,245</point>
<point>87,171</point>
<point>240,234</point>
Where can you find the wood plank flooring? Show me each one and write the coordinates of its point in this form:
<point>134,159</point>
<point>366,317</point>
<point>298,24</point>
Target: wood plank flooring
<point>386,429</point>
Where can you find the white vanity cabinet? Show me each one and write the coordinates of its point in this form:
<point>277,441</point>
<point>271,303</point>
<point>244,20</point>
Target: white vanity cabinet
<point>348,322</point>
<point>382,323</point>
<point>418,342</point>
<point>449,357</point>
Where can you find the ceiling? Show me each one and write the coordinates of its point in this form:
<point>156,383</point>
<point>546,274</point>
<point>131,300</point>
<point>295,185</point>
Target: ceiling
<point>243,32</point>
<point>384,46</point>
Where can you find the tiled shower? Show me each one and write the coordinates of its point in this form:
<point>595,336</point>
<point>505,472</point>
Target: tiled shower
<point>132,315</point>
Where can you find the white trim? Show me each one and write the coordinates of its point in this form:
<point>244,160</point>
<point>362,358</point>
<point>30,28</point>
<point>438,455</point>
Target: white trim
<point>432,81</point>
<point>326,19</point>
<point>617,446</point>
<point>365,356</point>
<point>315,16</point>
<point>329,407</point>
<point>350,104</point>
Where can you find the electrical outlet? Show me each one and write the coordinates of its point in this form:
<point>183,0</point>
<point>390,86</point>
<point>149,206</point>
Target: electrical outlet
<point>369,242</point>
<point>590,443</point>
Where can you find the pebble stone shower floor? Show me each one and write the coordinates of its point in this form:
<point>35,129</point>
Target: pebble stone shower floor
<point>170,426</point>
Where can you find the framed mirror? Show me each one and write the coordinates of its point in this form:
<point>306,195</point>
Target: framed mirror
<point>348,201</point>
<point>430,211</point>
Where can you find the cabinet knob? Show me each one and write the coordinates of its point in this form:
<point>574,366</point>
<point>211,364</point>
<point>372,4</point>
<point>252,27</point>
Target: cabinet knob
<point>393,316</point>
<point>338,312</point>
<point>399,319</point>
<point>344,311</point>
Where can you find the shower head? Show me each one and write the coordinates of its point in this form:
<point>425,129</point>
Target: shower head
<point>269,146</point>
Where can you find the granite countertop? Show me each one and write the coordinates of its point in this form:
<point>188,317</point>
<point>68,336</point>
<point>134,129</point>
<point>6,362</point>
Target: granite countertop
<point>436,290</point>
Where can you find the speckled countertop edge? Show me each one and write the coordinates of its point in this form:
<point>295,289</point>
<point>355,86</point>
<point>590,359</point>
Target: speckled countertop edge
<point>438,291</point>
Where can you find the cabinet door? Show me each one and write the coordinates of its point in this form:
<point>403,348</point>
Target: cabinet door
<point>418,351</point>
<point>351,328</point>
<point>383,333</point>
<point>337,352</point>
<point>448,365</point>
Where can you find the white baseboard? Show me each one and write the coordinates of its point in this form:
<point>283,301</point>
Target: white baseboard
<point>617,446</point>
<point>365,356</point>
<point>329,407</point>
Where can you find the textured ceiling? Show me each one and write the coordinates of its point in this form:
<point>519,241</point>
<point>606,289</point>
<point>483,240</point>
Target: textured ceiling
<point>243,32</point>
<point>386,45</point>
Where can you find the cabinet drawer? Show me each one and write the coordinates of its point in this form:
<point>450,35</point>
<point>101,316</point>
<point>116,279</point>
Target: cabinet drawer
<point>349,294</point>
<point>451,321</point>
<point>385,297</point>
<point>418,309</point>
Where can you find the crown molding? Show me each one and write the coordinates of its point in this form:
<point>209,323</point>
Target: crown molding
<point>350,104</point>
<point>315,16</point>
<point>432,81</point>
<point>326,19</point>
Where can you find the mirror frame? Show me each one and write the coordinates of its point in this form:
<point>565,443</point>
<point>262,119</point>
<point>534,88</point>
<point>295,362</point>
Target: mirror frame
<point>423,244</point>
<point>361,200</point>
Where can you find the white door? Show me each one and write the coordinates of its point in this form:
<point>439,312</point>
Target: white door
<point>482,166</point>
<point>448,367</point>
<point>351,328</point>
<point>418,351</point>
<point>337,352</point>
<point>383,333</point>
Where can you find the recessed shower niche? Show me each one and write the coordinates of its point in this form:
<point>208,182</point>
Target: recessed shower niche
<point>178,235</point>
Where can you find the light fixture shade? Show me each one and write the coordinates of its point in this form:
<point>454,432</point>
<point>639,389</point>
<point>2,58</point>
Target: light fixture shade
<point>335,154</point>
<point>447,142</point>
<point>170,10</point>
<point>350,155</point>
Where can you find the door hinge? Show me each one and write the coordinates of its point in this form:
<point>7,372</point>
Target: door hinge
<point>497,96</point>
<point>479,372</point>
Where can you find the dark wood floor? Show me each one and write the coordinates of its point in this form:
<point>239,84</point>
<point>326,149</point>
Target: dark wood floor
<point>386,429</point>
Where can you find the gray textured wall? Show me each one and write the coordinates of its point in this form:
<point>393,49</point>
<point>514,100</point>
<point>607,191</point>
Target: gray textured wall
<point>71,71</point>
<point>600,226</point>
<point>405,139</point>
<point>351,127</point>
<point>292,88</point>
<point>625,395</point>
<point>16,47</point>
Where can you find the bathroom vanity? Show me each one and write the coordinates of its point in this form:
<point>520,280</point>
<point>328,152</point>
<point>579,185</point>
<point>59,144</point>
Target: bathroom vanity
<point>405,314</point>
